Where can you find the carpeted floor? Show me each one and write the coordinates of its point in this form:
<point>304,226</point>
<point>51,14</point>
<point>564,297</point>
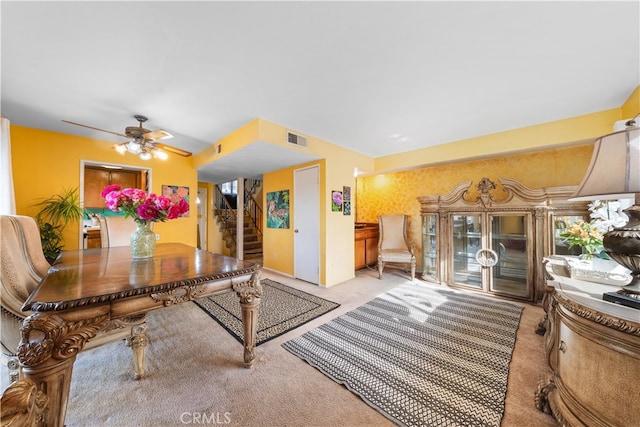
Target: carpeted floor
<point>420,355</point>
<point>195,373</point>
<point>282,309</point>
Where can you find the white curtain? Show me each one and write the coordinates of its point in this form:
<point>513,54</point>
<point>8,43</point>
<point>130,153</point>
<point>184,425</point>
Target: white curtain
<point>7,199</point>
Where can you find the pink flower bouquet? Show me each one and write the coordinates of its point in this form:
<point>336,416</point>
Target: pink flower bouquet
<point>135,203</point>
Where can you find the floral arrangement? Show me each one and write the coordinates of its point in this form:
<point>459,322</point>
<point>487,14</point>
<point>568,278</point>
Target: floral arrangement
<point>586,235</point>
<point>143,208</point>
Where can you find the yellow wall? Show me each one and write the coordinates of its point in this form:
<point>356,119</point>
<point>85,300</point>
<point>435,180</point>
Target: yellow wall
<point>397,193</point>
<point>278,242</point>
<point>631,107</point>
<point>44,163</point>
<point>336,171</point>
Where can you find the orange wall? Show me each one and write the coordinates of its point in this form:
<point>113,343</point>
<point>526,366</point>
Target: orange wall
<point>44,163</point>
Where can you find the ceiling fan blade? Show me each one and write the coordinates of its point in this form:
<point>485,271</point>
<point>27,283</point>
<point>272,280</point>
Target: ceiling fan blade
<point>157,135</point>
<point>94,128</point>
<point>173,150</point>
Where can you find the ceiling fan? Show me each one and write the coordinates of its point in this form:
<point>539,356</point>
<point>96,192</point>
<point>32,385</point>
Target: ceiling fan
<point>142,142</point>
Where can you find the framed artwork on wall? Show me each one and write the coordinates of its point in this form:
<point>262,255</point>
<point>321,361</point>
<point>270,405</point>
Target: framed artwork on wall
<point>175,193</point>
<point>278,209</point>
<point>346,202</point>
<point>336,201</point>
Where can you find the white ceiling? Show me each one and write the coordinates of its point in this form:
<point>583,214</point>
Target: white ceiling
<point>376,77</point>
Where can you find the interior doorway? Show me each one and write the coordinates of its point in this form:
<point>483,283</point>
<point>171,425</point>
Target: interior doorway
<point>89,183</point>
<point>306,230</point>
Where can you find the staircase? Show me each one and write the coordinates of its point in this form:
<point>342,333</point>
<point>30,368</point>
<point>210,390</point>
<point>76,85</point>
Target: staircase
<point>226,216</point>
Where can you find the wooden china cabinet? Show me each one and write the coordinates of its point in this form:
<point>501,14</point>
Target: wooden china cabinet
<point>492,237</point>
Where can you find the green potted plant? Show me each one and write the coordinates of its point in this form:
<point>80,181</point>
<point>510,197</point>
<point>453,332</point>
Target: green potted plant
<point>54,215</point>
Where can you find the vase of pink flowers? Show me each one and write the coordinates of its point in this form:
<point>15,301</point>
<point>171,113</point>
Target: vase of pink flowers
<point>143,209</point>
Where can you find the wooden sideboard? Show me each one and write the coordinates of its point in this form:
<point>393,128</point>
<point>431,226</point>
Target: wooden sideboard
<point>593,353</point>
<point>93,239</point>
<point>366,244</point>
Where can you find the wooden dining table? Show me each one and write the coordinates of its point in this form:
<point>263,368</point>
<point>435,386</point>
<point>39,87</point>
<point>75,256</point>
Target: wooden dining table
<point>85,291</point>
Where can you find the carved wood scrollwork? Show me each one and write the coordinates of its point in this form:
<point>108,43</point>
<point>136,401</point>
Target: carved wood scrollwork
<point>180,295</point>
<point>249,290</point>
<point>545,386</point>
<point>124,322</point>
<point>597,317</point>
<point>23,404</point>
<point>60,339</point>
<point>485,186</point>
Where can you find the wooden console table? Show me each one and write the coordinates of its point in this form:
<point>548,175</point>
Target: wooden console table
<point>593,352</point>
<point>89,288</point>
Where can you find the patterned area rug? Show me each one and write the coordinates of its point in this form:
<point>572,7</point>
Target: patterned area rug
<point>282,309</point>
<point>420,355</point>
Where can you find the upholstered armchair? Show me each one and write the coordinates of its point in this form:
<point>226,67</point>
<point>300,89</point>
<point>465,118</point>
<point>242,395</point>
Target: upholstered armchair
<point>393,245</point>
<point>116,231</point>
<point>23,266</point>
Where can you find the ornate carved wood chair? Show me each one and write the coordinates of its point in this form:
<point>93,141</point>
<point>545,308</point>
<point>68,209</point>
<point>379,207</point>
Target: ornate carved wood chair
<point>393,245</point>
<point>116,231</point>
<point>22,268</point>
<point>22,404</point>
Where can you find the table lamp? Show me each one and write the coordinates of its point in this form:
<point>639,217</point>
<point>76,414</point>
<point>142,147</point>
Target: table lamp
<point>614,173</point>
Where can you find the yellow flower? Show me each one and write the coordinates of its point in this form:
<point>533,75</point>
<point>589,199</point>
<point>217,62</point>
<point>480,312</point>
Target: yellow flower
<point>585,235</point>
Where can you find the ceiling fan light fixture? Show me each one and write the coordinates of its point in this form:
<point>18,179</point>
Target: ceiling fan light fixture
<point>121,148</point>
<point>141,141</point>
<point>159,154</point>
<point>134,147</point>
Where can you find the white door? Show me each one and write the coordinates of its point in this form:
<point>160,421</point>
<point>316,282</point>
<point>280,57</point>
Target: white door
<point>306,230</point>
<point>202,218</point>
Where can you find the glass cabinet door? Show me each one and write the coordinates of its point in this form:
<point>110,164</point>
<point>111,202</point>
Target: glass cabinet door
<point>560,224</point>
<point>509,241</point>
<point>430,248</point>
<point>466,242</point>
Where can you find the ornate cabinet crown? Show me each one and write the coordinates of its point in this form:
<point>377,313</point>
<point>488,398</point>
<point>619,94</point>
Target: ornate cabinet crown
<point>493,236</point>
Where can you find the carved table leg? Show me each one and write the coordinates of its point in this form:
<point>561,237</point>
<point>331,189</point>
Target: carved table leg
<point>250,294</point>
<point>48,348</point>
<point>138,343</point>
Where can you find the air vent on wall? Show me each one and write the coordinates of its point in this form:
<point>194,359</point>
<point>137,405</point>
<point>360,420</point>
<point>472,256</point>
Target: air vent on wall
<point>292,138</point>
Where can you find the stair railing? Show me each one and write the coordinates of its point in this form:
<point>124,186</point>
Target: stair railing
<point>226,213</point>
<point>251,185</point>
<point>253,210</point>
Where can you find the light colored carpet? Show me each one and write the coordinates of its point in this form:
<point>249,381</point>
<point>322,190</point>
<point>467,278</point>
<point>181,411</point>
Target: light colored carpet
<point>195,373</point>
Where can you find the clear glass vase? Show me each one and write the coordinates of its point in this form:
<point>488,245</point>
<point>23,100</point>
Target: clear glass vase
<point>143,241</point>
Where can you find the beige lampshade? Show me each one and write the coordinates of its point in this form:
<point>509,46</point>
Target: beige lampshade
<point>614,170</point>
